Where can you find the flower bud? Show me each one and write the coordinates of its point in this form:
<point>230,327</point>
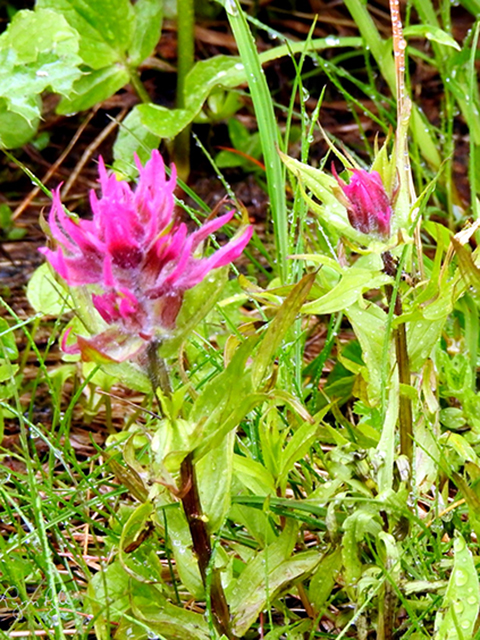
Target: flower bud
<point>368,206</point>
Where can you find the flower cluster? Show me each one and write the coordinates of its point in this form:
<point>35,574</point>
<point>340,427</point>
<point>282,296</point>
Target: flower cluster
<point>368,206</point>
<point>140,259</point>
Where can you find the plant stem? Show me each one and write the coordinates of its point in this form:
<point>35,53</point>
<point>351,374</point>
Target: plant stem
<point>202,546</point>
<point>157,369</point>
<point>185,60</point>
<point>405,418</point>
<point>137,84</point>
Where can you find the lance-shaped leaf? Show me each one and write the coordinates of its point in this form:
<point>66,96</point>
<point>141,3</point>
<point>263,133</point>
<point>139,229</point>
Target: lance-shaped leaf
<point>278,328</point>
<point>457,616</point>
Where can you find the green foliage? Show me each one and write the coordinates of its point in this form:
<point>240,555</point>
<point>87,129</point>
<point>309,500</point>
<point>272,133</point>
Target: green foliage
<point>316,523</point>
<point>29,66</point>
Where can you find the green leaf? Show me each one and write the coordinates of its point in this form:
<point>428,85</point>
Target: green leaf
<point>147,30</point>
<point>458,613</point>
<point>93,87</point>
<point>469,270</point>
<point>196,305</point>
<point>214,473</point>
<point>422,336</point>
<point>324,578</point>
<point>7,340</point>
<point>180,542</point>
<point>105,27</point>
<point>297,447</point>
<point>348,291</point>
<point>15,130</point>
<point>38,51</point>
<point>270,572</point>
<point>431,32</point>
<point>322,185</point>
<point>168,620</point>
<point>163,122</point>
<point>253,475</point>
<point>45,294</point>
<point>225,400</point>
<point>369,325</point>
<point>278,328</point>
<point>7,371</point>
<point>136,554</point>
<point>356,526</point>
<point>133,137</point>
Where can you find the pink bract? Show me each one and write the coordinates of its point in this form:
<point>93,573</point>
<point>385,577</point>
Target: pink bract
<point>140,258</point>
<point>368,205</point>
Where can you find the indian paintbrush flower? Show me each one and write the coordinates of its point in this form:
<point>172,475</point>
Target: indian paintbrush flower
<point>138,258</point>
<point>368,206</point>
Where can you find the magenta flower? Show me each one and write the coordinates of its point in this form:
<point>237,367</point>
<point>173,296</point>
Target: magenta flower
<point>368,206</point>
<point>140,259</point>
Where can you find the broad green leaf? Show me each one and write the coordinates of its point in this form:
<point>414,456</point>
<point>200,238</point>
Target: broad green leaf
<point>108,585</point>
<point>7,371</point>
<point>324,578</point>
<point>460,445</point>
<point>171,443</point>
<point>431,32</point>
<point>471,498</point>
<point>7,340</point>
<point>15,130</point>
<point>253,475</point>
<point>422,337</point>
<point>136,553</point>
<point>369,325</point>
<point>347,292</point>
<point>180,543</point>
<point>170,621</point>
<point>163,122</point>
<point>45,294</point>
<point>105,27</point>
<point>278,328</point>
<point>93,87</point>
<point>266,576</point>
<point>214,473</point>
<point>38,51</point>
<point>458,613</point>
<point>356,526</point>
<point>221,72</point>
<point>147,30</point>
<point>133,137</point>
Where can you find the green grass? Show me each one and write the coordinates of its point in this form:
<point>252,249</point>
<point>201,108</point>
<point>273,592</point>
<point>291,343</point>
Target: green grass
<point>318,526</point>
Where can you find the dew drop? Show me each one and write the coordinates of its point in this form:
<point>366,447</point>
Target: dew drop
<point>461,578</point>
<point>458,607</point>
<point>231,7</point>
<point>331,41</point>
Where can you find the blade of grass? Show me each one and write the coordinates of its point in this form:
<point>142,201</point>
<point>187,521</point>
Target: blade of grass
<point>269,133</point>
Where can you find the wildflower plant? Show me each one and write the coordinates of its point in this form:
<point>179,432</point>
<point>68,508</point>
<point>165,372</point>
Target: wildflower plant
<point>136,260</point>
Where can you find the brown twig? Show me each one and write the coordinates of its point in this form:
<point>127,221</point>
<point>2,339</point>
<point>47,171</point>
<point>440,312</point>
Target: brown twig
<point>52,170</point>
<point>90,150</point>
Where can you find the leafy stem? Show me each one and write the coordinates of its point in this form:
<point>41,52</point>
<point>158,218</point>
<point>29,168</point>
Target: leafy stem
<point>202,546</point>
<point>405,418</point>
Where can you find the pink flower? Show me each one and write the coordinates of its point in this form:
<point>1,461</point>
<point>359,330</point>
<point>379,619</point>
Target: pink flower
<point>368,205</point>
<point>140,259</point>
